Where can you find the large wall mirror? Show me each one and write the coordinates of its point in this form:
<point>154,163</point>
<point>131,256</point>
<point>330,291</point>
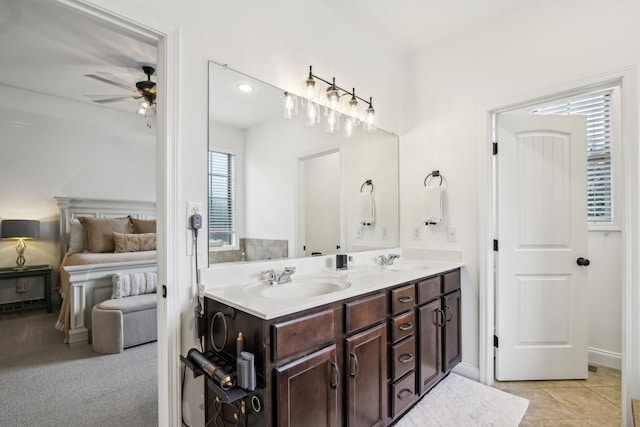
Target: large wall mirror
<point>279,188</point>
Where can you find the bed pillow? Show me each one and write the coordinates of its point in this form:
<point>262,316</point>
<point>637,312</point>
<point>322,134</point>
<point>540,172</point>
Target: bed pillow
<point>76,237</point>
<point>131,284</point>
<point>98,232</point>
<point>134,242</point>
<point>141,226</point>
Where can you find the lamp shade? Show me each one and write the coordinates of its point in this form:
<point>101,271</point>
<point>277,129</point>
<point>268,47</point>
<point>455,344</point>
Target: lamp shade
<point>20,229</point>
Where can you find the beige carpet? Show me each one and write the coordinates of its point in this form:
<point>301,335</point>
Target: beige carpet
<point>460,402</point>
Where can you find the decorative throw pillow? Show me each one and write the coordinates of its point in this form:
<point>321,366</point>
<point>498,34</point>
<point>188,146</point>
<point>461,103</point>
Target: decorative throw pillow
<point>98,232</point>
<point>134,242</point>
<point>131,284</point>
<point>76,237</point>
<point>141,226</point>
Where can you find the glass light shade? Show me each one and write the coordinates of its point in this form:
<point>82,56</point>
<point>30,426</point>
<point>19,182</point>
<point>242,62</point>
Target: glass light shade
<point>333,98</point>
<point>332,123</point>
<point>370,119</point>
<point>312,117</point>
<point>289,105</point>
<point>143,108</point>
<point>348,126</point>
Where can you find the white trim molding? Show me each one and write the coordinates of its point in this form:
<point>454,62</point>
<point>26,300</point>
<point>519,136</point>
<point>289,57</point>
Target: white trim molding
<point>605,358</point>
<point>626,77</point>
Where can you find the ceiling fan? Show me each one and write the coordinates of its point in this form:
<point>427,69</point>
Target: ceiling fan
<point>145,90</point>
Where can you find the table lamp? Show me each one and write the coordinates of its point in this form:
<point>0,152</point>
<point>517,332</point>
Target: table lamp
<point>20,230</point>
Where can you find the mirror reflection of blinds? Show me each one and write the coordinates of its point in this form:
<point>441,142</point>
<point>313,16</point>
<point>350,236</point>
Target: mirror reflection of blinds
<point>221,196</point>
<point>597,108</point>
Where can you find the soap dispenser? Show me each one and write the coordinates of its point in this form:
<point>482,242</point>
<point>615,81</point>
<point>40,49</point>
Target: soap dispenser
<point>341,261</point>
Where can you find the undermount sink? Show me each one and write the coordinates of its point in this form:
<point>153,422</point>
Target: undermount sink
<point>301,288</point>
<point>409,266</point>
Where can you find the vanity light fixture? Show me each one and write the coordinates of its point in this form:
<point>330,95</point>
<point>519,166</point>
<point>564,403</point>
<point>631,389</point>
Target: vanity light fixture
<point>335,109</point>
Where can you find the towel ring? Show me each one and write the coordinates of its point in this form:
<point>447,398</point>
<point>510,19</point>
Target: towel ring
<point>433,174</point>
<point>367,182</point>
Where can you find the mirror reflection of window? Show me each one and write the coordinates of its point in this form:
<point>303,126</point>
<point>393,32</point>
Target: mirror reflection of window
<point>222,211</point>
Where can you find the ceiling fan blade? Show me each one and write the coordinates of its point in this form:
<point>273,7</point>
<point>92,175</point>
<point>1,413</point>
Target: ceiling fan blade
<point>103,100</point>
<point>112,81</point>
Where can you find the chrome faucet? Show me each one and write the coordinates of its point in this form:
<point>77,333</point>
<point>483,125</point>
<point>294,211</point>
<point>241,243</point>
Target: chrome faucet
<point>383,260</point>
<point>273,277</point>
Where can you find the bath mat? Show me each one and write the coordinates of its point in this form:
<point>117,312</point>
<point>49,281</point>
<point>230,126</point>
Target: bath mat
<point>460,402</point>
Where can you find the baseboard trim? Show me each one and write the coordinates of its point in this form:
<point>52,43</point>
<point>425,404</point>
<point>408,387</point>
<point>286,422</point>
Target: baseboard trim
<point>605,358</point>
<point>468,371</point>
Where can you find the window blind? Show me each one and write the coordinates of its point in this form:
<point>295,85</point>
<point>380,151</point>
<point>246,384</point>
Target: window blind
<point>597,108</point>
<point>221,196</point>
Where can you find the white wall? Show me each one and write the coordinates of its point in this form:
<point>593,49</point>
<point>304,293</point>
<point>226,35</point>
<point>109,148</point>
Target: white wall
<point>54,147</point>
<point>446,85</point>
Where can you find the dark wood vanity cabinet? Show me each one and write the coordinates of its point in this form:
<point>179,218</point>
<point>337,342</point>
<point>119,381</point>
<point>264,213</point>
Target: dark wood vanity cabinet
<point>361,362</point>
<point>307,390</point>
<point>439,324</point>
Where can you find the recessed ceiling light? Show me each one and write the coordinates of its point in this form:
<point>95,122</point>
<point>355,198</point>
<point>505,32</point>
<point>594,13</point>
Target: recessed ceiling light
<point>245,87</point>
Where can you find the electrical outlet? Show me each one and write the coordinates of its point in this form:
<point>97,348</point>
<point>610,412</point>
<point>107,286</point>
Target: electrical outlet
<point>452,234</point>
<point>416,233</point>
<point>195,208</point>
<point>359,232</point>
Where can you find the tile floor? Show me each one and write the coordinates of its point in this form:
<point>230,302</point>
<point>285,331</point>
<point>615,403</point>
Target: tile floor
<point>580,403</point>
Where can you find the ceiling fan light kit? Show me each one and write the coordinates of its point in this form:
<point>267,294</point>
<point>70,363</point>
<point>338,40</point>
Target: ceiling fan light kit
<point>146,90</point>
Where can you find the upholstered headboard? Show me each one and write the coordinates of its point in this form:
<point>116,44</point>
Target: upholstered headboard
<point>70,207</point>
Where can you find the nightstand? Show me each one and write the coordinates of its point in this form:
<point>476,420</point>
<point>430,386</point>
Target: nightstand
<point>32,271</point>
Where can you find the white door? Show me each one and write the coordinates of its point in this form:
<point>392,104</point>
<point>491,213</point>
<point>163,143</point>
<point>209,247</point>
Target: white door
<point>322,204</point>
<point>541,317</point>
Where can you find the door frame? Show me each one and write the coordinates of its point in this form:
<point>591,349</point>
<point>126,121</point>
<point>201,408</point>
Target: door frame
<point>166,39</point>
<point>487,209</point>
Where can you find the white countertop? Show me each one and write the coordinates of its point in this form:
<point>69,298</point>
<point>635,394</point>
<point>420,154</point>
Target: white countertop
<point>248,295</point>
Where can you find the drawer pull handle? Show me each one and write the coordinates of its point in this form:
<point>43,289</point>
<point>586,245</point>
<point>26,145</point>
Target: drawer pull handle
<point>449,310</point>
<point>405,299</point>
<point>335,384</point>
<point>405,394</point>
<point>356,366</point>
<point>440,320</point>
<point>406,358</point>
<point>406,326</point>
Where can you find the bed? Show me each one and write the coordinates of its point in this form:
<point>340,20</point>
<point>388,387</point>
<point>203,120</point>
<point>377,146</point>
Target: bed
<point>86,277</point>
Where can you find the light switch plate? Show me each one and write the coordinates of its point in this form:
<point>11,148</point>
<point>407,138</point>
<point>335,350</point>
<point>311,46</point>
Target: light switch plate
<point>452,234</point>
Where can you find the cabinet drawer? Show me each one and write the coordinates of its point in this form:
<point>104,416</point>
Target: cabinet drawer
<point>301,334</point>
<point>428,289</point>
<point>364,312</point>
<point>451,281</point>
<point>403,394</point>
<point>403,326</point>
<point>403,357</point>
<point>403,299</point>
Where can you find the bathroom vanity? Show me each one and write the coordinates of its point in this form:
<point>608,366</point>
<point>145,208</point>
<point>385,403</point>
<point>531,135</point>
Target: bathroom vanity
<point>352,348</point>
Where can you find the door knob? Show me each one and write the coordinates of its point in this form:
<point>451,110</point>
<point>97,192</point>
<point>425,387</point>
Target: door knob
<point>583,262</point>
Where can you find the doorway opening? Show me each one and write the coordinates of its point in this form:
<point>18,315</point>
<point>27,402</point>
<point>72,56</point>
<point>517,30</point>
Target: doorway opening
<point>625,79</point>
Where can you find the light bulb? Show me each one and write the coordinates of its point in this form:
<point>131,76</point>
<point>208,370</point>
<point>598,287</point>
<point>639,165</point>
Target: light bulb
<point>289,105</point>
<point>310,86</point>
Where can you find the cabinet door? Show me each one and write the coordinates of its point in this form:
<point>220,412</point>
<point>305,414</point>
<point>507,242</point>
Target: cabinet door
<point>307,390</point>
<point>366,366</point>
<point>451,339</point>
<point>431,320</point>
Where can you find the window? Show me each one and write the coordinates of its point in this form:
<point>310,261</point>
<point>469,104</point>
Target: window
<point>598,109</point>
<point>221,197</point>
